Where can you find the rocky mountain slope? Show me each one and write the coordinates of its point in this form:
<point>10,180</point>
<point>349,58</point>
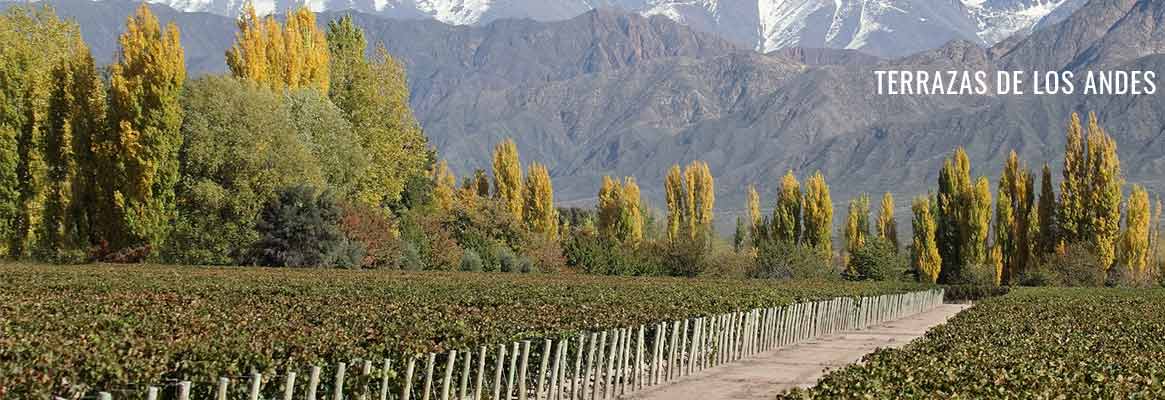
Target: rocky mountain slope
<point>880,27</point>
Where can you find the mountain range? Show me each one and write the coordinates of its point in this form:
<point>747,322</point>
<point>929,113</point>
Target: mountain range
<point>880,27</point>
<point>613,93</point>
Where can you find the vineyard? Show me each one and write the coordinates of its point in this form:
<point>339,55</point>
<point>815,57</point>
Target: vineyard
<point>69,329</point>
<point>1032,343</point>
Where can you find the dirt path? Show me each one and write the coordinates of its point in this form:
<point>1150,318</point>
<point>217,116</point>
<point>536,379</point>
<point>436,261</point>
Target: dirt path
<point>767,374</point>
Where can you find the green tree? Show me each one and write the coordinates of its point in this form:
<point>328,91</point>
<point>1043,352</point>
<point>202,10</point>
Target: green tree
<point>240,147</point>
<point>34,41</point>
<point>1103,201</point>
<point>963,217</point>
<point>374,97</point>
<point>330,139</point>
<point>1046,215</point>
<point>1012,218</point>
<point>146,79</point>
<point>619,210</point>
<point>924,254</point>
<point>1073,188</point>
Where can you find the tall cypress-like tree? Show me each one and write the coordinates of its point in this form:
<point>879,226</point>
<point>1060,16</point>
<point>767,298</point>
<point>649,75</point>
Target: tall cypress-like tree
<point>857,225</point>
<point>541,216</point>
<point>1104,196</point>
<point>886,226</point>
<point>146,79</point>
<point>754,217</point>
<point>963,217</point>
<point>787,211</point>
<point>507,170</point>
<point>1137,236</point>
<point>924,253</point>
<point>701,192</point>
<point>1048,238</point>
<point>818,215</point>
<point>1073,188</point>
<point>677,202</point>
<point>1012,218</point>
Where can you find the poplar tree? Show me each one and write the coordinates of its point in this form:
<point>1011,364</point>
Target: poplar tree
<point>444,186</point>
<point>818,215</point>
<point>507,172</point>
<point>146,79</point>
<point>924,254</point>
<point>292,56</point>
<point>1073,186</point>
<point>963,216</point>
<point>701,193</point>
<point>1047,239</point>
<point>754,217</point>
<point>1013,213</point>
<point>886,226</point>
<point>677,202</point>
<point>33,40</point>
<point>787,212</point>
<point>541,216</point>
<point>1137,236</point>
<point>1103,200</point>
<point>1155,240</point>
<point>857,225</point>
<point>88,127</point>
<point>619,210</point>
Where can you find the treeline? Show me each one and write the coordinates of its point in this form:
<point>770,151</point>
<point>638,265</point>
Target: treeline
<point>1075,237</point>
<point>286,161</point>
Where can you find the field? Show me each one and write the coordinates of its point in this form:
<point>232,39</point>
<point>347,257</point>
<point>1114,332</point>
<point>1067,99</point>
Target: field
<point>119,326</point>
<point>1032,343</point>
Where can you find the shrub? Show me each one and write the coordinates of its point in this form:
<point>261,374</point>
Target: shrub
<point>371,228</point>
<point>470,261</point>
<point>1076,265</point>
<point>300,228</point>
<point>973,292</point>
<point>527,266</point>
<point>778,259</point>
<point>684,257</point>
<point>728,264</point>
<point>595,255</point>
<point>411,259</point>
<point>507,261</point>
<point>878,260</point>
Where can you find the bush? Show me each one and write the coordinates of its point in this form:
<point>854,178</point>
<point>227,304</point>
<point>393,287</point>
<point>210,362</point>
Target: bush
<point>411,259</point>
<point>527,266</point>
<point>878,260</point>
<point>300,228</point>
<point>507,261</point>
<point>784,260</point>
<point>470,261</point>
<point>1076,265</point>
<point>684,257</point>
<point>371,228</point>
<point>595,255</point>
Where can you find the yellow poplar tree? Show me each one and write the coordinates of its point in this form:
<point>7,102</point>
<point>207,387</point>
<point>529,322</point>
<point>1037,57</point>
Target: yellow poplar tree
<point>1013,212</point>
<point>1103,200</point>
<point>924,254</point>
<point>1073,187</point>
<point>753,207</point>
<point>632,211</point>
<point>818,215</point>
<point>677,197</point>
<point>619,210</point>
<point>886,226</point>
<point>508,177</point>
<point>145,82</point>
<point>787,212</point>
<point>292,56</point>
<point>541,216</point>
<point>857,225</point>
<point>701,193</point>
<point>962,215</point>
<point>1135,242</point>
<point>444,186</point>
